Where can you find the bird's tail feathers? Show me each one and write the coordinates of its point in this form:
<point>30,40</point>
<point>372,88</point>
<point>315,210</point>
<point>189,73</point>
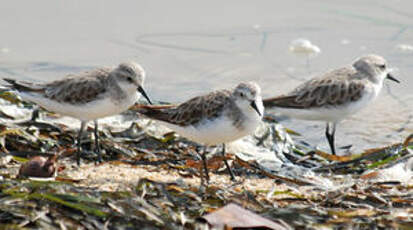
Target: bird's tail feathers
<point>23,86</point>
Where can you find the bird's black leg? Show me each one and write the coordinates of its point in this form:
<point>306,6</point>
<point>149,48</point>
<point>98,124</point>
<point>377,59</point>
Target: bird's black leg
<point>35,114</point>
<point>97,147</point>
<point>226,163</point>
<point>330,136</point>
<point>79,139</point>
<point>204,160</point>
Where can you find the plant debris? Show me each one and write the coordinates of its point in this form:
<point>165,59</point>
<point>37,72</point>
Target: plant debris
<point>232,216</point>
<point>150,178</point>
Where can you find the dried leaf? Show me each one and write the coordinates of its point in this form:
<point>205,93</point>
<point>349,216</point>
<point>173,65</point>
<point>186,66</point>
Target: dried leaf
<point>9,96</point>
<point>292,132</point>
<point>214,163</point>
<point>67,180</point>
<point>331,157</point>
<point>353,213</point>
<point>233,216</point>
<point>369,175</point>
<point>6,132</point>
<point>408,140</point>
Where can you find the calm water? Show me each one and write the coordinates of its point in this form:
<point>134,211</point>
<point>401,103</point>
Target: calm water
<point>191,47</point>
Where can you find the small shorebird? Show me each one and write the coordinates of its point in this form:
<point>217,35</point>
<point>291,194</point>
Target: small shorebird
<point>335,95</point>
<point>216,118</point>
<point>88,96</point>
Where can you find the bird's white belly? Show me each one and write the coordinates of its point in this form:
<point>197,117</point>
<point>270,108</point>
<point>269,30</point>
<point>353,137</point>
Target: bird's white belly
<point>220,130</point>
<point>89,111</point>
<point>332,113</point>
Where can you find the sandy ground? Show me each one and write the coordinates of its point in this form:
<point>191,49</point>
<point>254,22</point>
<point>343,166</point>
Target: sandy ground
<point>110,177</point>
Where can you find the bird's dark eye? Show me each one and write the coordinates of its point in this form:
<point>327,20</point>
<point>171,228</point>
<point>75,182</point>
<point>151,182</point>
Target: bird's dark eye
<point>242,94</point>
<point>383,66</point>
<point>129,79</point>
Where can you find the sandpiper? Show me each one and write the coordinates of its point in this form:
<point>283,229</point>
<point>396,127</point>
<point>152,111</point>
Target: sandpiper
<point>89,95</point>
<point>335,95</point>
<point>216,118</point>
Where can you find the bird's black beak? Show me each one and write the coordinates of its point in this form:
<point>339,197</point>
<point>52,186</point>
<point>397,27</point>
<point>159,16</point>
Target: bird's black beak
<point>140,90</point>
<point>254,106</point>
<point>390,77</point>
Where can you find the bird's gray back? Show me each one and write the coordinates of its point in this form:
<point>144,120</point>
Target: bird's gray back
<point>198,110</point>
<point>79,89</point>
<point>334,88</point>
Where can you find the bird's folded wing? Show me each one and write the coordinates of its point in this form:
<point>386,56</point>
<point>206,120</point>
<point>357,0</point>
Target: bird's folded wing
<point>190,112</point>
<point>75,92</point>
<point>319,93</point>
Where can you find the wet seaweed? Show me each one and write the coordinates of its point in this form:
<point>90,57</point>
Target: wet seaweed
<point>295,185</point>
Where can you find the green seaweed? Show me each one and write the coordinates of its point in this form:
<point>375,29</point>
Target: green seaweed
<point>82,207</point>
<point>384,161</point>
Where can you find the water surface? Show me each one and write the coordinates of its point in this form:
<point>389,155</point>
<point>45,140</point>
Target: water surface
<point>192,47</point>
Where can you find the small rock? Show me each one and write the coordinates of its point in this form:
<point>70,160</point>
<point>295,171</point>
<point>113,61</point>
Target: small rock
<point>39,167</point>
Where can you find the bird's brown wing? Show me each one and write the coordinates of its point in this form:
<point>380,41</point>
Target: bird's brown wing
<point>78,89</point>
<point>74,89</point>
<point>318,93</point>
<point>191,112</point>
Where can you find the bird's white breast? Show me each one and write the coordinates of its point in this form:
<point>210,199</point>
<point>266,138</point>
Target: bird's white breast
<point>92,110</point>
<point>334,113</point>
<point>217,131</point>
